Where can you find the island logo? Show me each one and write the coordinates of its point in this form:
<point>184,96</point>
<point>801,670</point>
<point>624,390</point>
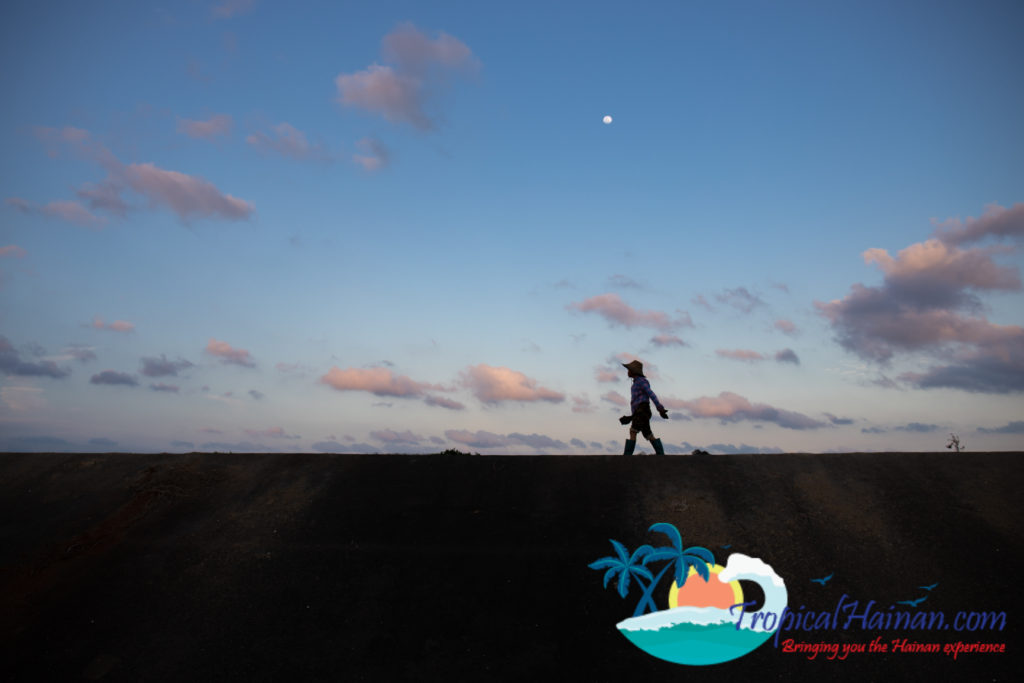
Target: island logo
<point>706,620</point>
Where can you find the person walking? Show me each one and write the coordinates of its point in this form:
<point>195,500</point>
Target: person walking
<point>639,403</point>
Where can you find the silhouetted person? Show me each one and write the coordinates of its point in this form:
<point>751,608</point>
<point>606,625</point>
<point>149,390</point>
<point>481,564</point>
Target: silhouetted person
<point>640,421</point>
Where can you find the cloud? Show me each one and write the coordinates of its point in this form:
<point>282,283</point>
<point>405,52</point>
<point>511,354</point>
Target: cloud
<point>114,378</point>
<point>537,440</point>
<point>377,381</point>
<point>699,300</point>
<point>400,93</point>
<point>65,210</point>
<point>918,427</point>
<point>577,443</point>
<point>227,354</point>
<point>103,442</point>
<point>873,430</point>
<point>785,326</point>
<point>231,8</point>
<point>443,402</point>
<point>166,388</point>
<point>289,141</point>
<point>188,196</point>
<point>257,395</point>
<point>12,364</point>
<point>838,420</point>
<point>497,384</point>
<point>392,437</point>
<point>740,298</point>
<point>731,407</point>
<point>161,367</point>
<point>740,354</point>
<point>183,444</point>
<point>617,312</point>
<point>271,433</point>
<point>787,356</point>
<point>581,404</point>
<point>219,124</point>
<point>478,439</point>
<point>238,446</point>
<point>929,303</point>
<point>667,340</point>
<point>615,398</point>
<point>996,221</point>
<point>116,326</point>
<point>1015,427</point>
<point>12,251</point>
<point>374,155</point>
<point>105,196</point>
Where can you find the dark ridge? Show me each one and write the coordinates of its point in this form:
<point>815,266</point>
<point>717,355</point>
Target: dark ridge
<point>315,567</point>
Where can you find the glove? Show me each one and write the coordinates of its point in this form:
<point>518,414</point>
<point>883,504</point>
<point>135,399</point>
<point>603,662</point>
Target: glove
<point>625,419</point>
<point>663,413</point>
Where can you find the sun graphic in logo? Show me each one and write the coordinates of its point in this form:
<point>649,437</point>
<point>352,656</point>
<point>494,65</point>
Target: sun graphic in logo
<point>711,593</point>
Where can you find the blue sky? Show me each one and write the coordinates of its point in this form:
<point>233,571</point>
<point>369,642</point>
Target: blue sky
<point>404,227</point>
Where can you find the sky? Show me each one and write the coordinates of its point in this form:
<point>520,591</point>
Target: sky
<point>244,225</point>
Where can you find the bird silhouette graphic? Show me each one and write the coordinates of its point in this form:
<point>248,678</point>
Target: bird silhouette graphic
<point>823,580</point>
<point>912,603</point>
<point>928,588</point>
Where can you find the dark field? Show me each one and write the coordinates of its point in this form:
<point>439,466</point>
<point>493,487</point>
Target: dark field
<point>207,567</point>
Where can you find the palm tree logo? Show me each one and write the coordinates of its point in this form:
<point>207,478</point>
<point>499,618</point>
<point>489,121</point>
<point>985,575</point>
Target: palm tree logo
<point>699,625</point>
<point>625,566</point>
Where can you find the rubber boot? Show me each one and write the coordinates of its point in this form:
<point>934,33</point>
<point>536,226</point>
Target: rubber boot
<point>630,445</point>
<point>658,449</point>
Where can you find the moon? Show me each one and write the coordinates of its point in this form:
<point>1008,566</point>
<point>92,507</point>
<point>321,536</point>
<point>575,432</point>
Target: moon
<point>607,119</point>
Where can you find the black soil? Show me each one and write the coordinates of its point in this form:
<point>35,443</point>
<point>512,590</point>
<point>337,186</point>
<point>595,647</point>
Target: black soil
<point>211,567</point>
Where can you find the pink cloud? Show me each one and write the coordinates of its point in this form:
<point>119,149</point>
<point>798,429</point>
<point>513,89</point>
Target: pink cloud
<point>613,309</point>
<point>288,141</point>
<point>616,398</point>
<point>377,381</point>
<point>785,326</point>
<point>399,93</point>
<point>381,90</point>
<point>581,404</point>
<point>443,402</point>
<point>414,52</point>
<point>996,221</point>
<point>186,195</point>
<point>929,304</point>
<point>740,354</point>
<point>116,326</point>
<point>375,155</point>
<point>227,354</point>
<point>667,340</point>
<point>66,210</point>
<point>935,263</point>
<point>496,384</point>
<point>12,250</point>
<point>731,407</point>
<point>219,124</point>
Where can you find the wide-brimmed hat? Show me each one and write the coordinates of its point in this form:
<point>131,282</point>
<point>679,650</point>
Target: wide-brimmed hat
<point>636,366</point>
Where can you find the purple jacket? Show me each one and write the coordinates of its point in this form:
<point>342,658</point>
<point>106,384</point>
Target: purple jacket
<point>641,392</point>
